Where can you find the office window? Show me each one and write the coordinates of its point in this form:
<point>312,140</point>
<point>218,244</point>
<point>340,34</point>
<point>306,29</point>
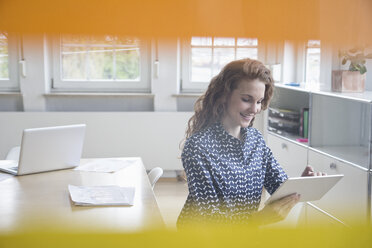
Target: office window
<point>4,67</point>
<point>100,63</point>
<point>8,62</point>
<point>312,63</point>
<point>204,57</point>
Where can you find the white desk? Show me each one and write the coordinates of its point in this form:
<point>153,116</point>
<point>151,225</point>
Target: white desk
<point>43,201</point>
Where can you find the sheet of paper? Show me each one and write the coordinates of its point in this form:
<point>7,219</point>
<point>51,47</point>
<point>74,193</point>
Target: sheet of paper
<point>101,195</point>
<point>106,165</point>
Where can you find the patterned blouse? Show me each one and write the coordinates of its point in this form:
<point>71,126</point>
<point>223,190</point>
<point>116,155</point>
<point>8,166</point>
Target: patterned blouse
<point>226,175</point>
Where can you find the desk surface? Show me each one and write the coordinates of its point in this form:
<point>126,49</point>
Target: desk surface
<point>43,201</point>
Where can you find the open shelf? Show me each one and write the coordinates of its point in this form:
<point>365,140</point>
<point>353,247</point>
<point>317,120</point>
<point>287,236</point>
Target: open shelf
<point>341,127</point>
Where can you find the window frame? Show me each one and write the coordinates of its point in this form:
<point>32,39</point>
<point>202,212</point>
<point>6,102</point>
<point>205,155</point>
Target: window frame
<point>305,69</point>
<point>12,84</point>
<point>130,86</point>
<point>188,86</point>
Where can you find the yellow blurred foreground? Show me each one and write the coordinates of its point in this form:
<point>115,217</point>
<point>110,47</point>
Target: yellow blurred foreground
<point>198,237</point>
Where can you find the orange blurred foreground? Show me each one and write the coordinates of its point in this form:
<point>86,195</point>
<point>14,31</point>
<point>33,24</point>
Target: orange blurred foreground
<point>336,21</point>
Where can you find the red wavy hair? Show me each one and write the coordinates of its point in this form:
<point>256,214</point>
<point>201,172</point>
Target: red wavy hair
<point>211,106</point>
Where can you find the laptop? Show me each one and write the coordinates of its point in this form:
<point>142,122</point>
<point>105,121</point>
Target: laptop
<point>47,149</point>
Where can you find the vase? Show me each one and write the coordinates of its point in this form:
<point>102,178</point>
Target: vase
<point>348,81</point>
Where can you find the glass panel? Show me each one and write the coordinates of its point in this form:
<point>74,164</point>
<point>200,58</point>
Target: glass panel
<point>224,42</point>
<point>313,65</point>
<point>92,57</point>
<point>242,53</point>
<point>247,42</point>
<point>225,49</point>
<point>3,36</point>
<point>101,40</point>
<point>4,69</point>
<point>101,63</point>
<point>128,64</point>
<point>222,56</point>
<point>201,61</point>
<point>313,43</point>
<point>126,41</point>
<point>201,41</point>
<point>74,39</point>
<point>73,63</point>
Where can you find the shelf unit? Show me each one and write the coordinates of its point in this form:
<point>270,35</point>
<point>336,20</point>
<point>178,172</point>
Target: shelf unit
<point>340,141</point>
<point>286,98</point>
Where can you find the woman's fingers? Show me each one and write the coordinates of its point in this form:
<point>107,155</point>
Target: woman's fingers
<point>284,205</point>
<point>309,172</point>
<point>286,208</point>
<point>294,198</point>
<point>279,209</point>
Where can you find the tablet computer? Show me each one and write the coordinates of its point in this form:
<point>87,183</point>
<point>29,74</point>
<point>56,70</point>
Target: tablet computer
<point>310,188</point>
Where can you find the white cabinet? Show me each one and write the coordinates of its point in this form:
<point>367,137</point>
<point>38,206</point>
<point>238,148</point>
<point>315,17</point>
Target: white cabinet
<point>340,142</point>
<point>347,200</point>
<point>291,156</point>
<point>318,217</point>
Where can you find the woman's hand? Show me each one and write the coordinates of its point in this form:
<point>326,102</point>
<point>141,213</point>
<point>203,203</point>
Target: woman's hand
<point>276,211</point>
<point>309,172</point>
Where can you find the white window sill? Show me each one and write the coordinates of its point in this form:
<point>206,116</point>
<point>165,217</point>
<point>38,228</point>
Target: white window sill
<point>95,94</point>
<point>10,93</point>
<point>187,95</point>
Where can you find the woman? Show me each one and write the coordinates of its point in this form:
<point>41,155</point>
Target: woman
<point>226,160</point>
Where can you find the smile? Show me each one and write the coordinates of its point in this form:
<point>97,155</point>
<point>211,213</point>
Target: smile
<point>246,117</point>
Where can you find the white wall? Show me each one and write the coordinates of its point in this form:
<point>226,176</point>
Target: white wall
<point>34,85</point>
<point>153,136</point>
<point>289,62</point>
<point>168,80</point>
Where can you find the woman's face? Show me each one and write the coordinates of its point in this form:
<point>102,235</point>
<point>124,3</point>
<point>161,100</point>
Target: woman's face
<point>244,103</point>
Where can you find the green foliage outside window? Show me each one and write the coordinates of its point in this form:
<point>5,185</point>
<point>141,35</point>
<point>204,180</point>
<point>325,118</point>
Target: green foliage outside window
<point>106,58</point>
<point>4,68</point>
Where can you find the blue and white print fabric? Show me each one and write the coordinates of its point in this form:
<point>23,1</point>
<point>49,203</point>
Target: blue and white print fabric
<point>226,175</point>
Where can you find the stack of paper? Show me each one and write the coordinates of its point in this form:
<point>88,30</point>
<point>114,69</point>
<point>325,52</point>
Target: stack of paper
<point>101,195</point>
